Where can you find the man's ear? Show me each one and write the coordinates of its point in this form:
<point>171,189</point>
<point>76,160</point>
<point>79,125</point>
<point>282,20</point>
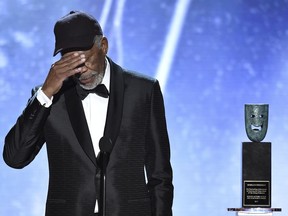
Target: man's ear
<point>104,44</point>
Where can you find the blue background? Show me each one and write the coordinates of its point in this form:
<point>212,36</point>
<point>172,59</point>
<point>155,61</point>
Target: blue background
<point>211,57</point>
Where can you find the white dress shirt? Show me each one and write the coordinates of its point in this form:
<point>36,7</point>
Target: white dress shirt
<point>95,108</point>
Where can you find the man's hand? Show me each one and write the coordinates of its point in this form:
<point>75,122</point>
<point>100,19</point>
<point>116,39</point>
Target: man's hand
<point>61,70</point>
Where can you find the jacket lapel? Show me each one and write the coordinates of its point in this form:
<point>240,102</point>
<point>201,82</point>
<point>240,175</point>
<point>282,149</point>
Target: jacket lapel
<point>114,112</point>
<point>79,123</point>
<point>115,105</point>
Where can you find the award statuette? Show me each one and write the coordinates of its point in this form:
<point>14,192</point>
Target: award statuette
<point>256,159</point>
<point>256,165</point>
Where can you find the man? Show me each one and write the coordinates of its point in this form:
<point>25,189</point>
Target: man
<point>129,114</point>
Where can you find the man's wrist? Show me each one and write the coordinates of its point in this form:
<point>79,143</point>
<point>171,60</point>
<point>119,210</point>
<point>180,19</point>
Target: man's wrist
<point>43,99</point>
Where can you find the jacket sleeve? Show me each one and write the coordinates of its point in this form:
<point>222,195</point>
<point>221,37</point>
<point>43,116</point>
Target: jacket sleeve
<point>158,167</point>
<point>25,138</point>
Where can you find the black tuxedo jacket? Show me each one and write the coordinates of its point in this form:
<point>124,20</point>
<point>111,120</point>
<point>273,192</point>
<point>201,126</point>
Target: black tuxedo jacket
<point>137,127</point>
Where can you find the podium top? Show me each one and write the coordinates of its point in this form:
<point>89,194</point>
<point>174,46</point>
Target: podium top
<point>255,210</point>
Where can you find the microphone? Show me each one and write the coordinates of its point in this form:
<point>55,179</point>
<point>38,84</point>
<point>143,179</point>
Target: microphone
<point>105,145</point>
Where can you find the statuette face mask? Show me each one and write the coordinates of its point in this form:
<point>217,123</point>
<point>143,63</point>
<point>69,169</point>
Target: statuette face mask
<point>256,121</point>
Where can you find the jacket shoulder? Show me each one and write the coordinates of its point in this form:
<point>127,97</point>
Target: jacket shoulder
<point>136,76</point>
<point>130,75</point>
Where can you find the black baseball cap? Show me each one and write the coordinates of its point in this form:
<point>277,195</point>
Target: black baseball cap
<point>76,30</point>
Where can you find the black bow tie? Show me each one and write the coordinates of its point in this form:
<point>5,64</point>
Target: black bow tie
<point>100,90</point>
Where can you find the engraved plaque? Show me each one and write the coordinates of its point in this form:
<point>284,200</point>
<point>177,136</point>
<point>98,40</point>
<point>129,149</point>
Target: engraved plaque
<point>256,193</point>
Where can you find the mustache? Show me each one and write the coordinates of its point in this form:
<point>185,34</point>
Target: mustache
<point>93,73</point>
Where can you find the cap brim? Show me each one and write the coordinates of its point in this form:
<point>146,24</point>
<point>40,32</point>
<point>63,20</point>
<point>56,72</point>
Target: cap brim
<point>74,43</point>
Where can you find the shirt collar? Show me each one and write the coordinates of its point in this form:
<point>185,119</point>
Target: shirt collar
<point>106,78</point>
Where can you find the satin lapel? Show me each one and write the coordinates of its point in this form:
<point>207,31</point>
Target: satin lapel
<point>78,121</point>
<point>115,105</point>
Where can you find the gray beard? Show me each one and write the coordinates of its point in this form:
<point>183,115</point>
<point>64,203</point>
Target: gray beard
<point>98,79</point>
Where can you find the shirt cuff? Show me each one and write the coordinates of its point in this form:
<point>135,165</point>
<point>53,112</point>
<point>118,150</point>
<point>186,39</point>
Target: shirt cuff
<point>43,99</point>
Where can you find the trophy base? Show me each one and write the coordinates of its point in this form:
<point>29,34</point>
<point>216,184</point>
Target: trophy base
<point>254,211</point>
<point>256,175</point>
